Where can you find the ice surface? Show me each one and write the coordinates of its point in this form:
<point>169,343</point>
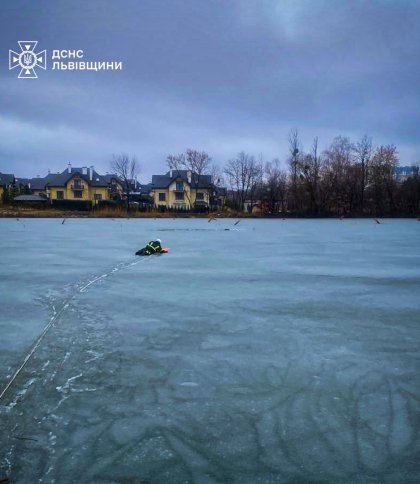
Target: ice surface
<point>276,351</point>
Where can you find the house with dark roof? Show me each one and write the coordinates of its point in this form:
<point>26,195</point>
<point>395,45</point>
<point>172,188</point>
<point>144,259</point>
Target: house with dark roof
<point>138,193</point>
<point>7,182</point>
<point>22,183</point>
<point>182,189</point>
<point>219,197</point>
<point>78,184</point>
<point>146,189</point>
<point>38,185</point>
<point>115,184</point>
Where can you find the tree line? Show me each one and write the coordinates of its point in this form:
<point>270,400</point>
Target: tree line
<point>347,178</point>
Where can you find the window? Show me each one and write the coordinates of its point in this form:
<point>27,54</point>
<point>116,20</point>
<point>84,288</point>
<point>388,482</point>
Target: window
<point>78,194</point>
<point>179,196</point>
<point>77,184</point>
<point>179,186</point>
<point>200,196</point>
<point>60,195</point>
<point>162,197</point>
<point>98,196</point>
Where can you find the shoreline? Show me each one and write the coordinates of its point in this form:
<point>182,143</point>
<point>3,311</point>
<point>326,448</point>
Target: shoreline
<point>8,213</point>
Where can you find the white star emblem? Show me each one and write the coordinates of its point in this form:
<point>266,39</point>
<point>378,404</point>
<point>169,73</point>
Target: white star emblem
<point>27,59</point>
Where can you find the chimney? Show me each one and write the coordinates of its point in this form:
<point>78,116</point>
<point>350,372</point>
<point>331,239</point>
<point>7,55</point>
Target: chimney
<point>49,171</point>
<point>189,176</point>
<point>84,170</point>
<point>69,167</point>
<point>91,172</point>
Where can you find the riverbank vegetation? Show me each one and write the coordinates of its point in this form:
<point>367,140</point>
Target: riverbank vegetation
<point>347,179</point>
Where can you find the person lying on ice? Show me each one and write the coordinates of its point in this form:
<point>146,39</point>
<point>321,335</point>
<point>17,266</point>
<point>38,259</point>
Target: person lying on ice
<point>153,247</point>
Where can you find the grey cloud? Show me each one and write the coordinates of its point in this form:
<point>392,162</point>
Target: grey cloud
<point>216,75</point>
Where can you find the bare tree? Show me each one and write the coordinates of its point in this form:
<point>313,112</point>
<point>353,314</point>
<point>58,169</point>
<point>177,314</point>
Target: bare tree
<point>243,174</point>
<point>382,180</point>
<point>309,172</point>
<point>127,170</point>
<point>363,150</point>
<point>176,162</point>
<point>198,163</point>
<point>256,180</point>
<point>276,185</point>
<point>294,148</point>
<point>339,176</point>
<point>216,175</point>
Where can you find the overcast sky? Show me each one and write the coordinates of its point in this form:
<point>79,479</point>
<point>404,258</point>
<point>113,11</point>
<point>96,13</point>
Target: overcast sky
<point>216,75</point>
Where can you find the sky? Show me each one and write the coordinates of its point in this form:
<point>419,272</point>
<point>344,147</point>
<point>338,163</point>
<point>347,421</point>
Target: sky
<point>222,76</point>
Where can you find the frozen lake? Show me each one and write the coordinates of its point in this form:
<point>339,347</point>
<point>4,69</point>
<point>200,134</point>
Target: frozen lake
<point>279,351</point>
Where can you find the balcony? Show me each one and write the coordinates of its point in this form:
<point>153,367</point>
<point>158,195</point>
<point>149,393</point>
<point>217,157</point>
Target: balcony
<point>77,187</point>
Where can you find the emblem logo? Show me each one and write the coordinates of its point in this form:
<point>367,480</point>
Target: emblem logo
<point>27,59</point>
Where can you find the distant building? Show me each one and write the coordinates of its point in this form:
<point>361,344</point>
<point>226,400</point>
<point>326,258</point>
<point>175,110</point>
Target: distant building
<point>38,185</point>
<point>146,189</point>
<point>78,184</point>
<point>404,172</point>
<point>182,189</point>
<point>115,184</point>
<point>146,195</point>
<point>7,182</point>
<point>218,199</point>
<point>252,206</point>
<point>176,189</point>
<point>140,194</point>
<point>22,183</point>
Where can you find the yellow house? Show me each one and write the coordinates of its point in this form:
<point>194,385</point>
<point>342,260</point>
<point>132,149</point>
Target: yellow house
<point>78,184</point>
<point>182,189</point>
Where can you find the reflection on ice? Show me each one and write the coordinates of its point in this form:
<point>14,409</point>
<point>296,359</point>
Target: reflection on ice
<point>288,353</point>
